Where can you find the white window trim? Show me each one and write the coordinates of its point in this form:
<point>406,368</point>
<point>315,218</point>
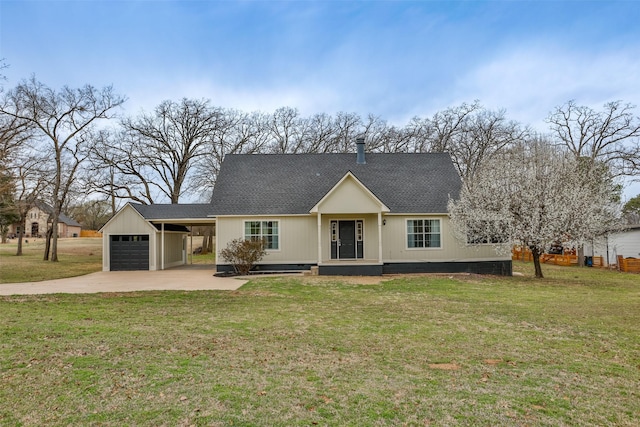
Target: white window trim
<point>406,234</point>
<point>244,228</point>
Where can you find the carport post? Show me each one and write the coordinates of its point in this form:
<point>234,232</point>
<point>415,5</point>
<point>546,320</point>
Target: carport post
<point>162,246</point>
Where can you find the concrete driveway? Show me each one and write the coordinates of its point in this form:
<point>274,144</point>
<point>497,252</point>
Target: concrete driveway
<point>189,278</point>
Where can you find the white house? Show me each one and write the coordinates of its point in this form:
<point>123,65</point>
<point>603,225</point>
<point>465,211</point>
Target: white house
<point>364,214</point>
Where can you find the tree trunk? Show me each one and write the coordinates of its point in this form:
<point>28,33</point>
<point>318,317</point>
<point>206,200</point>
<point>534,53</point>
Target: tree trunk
<point>54,239</point>
<point>47,245</point>
<point>23,222</point>
<point>535,252</point>
<point>580,256</point>
<point>205,243</point>
<point>210,234</point>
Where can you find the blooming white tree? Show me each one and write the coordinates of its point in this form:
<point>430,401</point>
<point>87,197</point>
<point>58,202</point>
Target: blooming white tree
<point>534,195</point>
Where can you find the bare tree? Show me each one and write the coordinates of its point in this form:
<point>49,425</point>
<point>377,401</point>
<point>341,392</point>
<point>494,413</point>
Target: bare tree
<point>166,143</point>
<point>63,122</point>
<point>32,176</point>
<point>348,128</point>
<point>417,136</point>
<point>528,196</point>
<point>321,130</point>
<point>14,135</point>
<point>376,131</point>
<point>609,136</point>
<point>447,123</point>
<point>91,214</point>
<point>236,133</point>
<point>8,211</point>
<point>118,169</point>
<point>481,134</point>
<point>144,162</point>
<point>287,131</point>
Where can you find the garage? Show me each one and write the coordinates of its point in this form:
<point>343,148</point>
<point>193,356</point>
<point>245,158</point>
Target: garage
<point>150,237</point>
<point>129,252</point>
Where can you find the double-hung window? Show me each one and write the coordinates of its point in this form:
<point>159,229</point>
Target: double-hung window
<point>423,233</point>
<point>267,231</point>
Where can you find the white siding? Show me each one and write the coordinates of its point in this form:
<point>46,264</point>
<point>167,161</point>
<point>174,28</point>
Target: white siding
<point>298,238</point>
<point>173,249</point>
<point>626,244</point>
<point>349,198</point>
<point>128,221</point>
<point>394,239</point>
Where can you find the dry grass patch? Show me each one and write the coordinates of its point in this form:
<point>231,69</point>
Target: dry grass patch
<point>445,366</point>
<point>77,256</point>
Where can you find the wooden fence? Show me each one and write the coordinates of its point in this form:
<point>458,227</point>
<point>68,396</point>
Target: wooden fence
<point>90,233</point>
<point>555,259</point>
<point>628,265</point>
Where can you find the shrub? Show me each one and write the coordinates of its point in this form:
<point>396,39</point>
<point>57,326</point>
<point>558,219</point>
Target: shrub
<point>243,254</point>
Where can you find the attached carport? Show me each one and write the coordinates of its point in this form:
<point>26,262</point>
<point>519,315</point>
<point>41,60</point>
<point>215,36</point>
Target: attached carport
<point>151,237</point>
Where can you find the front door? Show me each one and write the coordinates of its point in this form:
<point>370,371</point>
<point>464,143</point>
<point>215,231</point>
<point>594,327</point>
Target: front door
<point>346,239</point>
<point>347,236</point>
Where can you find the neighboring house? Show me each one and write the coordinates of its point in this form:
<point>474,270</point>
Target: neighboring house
<point>625,243</point>
<point>150,237</point>
<point>342,213</point>
<point>38,222</point>
<point>346,213</point>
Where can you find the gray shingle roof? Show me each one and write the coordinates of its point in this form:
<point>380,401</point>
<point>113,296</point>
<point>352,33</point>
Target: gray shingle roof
<point>169,211</point>
<point>273,184</point>
<point>62,218</point>
<point>69,221</point>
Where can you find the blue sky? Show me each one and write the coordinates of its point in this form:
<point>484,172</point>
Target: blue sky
<point>394,59</point>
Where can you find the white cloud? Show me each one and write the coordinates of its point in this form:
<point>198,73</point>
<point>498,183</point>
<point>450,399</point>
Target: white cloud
<point>530,82</point>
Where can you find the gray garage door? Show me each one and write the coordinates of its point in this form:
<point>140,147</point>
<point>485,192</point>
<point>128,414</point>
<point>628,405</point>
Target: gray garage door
<point>129,252</point>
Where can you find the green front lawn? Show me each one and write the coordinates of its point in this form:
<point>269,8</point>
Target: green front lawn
<point>414,350</point>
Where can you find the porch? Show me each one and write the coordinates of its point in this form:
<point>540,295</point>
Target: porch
<point>353,267</point>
